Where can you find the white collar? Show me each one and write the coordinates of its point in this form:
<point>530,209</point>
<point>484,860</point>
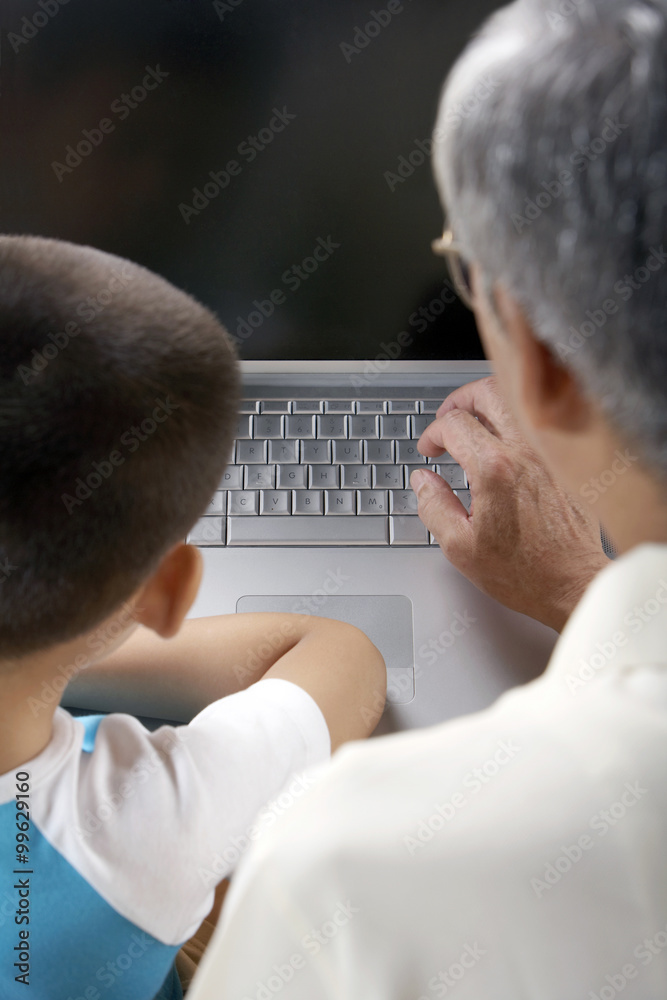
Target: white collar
<point>620,621</point>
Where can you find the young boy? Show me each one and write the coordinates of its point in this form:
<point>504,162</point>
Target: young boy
<point>118,399</point>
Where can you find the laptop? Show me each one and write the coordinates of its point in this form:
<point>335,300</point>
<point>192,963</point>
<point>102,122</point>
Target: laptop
<point>314,515</point>
<point>272,160</point>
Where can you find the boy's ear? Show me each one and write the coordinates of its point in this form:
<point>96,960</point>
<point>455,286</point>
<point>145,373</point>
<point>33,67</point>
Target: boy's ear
<point>165,599</point>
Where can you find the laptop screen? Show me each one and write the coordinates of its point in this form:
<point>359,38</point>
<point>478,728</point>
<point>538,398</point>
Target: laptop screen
<point>269,156</point>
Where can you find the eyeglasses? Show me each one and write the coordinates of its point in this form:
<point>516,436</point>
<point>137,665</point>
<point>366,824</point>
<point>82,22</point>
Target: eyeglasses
<point>459,269</point>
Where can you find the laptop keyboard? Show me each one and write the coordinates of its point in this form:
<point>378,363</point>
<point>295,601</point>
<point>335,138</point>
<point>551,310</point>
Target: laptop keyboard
<point>325,472</point>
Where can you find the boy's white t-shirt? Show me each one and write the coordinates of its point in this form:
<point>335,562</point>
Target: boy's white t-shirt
<point>130,831</point>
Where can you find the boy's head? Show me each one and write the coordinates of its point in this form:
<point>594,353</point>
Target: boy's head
<point>118,399</point>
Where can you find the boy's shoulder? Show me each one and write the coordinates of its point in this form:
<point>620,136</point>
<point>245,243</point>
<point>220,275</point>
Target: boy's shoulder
<point>107,810</point>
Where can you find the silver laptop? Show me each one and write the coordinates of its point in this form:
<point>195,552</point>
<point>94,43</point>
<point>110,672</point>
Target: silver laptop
<point>285,182</point>
<point>315,515</point>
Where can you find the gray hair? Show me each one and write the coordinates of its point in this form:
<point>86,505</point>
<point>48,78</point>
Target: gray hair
<point>551,157</point>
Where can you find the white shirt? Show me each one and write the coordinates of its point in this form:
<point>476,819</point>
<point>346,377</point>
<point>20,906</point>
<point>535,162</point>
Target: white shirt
<point>517,853</point>
<point>129,831</point>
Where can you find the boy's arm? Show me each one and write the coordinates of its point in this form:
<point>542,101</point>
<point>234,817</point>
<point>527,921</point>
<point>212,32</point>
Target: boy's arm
<point>210,658</point>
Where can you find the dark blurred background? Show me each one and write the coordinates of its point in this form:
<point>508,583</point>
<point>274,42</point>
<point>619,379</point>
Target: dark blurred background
<point>229,65</point>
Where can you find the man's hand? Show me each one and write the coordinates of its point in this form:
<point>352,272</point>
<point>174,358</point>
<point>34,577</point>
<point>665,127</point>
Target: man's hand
<point>526,541</point>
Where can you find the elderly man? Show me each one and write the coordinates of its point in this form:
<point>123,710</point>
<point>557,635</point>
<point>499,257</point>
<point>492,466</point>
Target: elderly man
<point>519,852</point>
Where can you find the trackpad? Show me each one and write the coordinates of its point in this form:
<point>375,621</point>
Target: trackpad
<point>386,620</point>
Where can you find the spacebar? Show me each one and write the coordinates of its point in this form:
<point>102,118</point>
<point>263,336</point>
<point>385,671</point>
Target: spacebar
<point>309,530</point>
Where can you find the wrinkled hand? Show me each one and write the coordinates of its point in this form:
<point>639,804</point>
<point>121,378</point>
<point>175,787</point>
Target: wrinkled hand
<point>526,542</point>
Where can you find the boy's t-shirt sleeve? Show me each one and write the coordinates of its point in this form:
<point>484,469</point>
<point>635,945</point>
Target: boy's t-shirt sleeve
<point>162,817</point>
<point>247,747</point>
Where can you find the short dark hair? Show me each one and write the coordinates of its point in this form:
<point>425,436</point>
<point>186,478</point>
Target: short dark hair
<point>118,397</point>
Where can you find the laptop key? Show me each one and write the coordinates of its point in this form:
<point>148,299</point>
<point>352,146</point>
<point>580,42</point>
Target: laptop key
<point>465,498</point>
<point>208,531</point>
<point>257,477</point>
<point>406,452</point>
<point>402,406</point>
<point>444,459</point>
<point>402,502</point>
<point>291,477</point>
<point>407,531</point>
<point>378,452</point>
<point>323,477</point>
<point>430,406</point>
<point>371,406</point>
<point>388,476</point>
<point>334,426</point>
<point>300,427</point>
<point>338,406</point>
<point>284,451</point>
<point>217,504</point>
<point>307,502</point>
<point>251,452</point>
<point>409,469</point>
<point>364,426</point>
<point>347,452</point>
<point>243,502</point>
<point>356,477</point>
<point>340,502</point>
<point>419,425</point>
<point>394,427</point>
<point>316,452</point>
<point>452,474</point>
<point>306,530</point>
<point>270,426</point>
<point>232,478</point>
<point>244,427</point>
<point>275,502</point>
<point>372,502</point>
<point>274,406</point>
<point>307,406</point>
<point>249,406</point>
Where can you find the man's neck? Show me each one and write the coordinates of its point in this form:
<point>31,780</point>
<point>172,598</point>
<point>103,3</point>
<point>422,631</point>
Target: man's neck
<point>633,510</point>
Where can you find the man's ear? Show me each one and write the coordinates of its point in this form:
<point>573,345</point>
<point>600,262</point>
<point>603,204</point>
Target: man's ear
<point>551,395</point>
<point>165,599</point>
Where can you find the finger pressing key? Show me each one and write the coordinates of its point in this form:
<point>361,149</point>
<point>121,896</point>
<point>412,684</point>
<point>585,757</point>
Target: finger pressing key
<point>466,440</point>
<point>440,509</point>
<point>482,400</point>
